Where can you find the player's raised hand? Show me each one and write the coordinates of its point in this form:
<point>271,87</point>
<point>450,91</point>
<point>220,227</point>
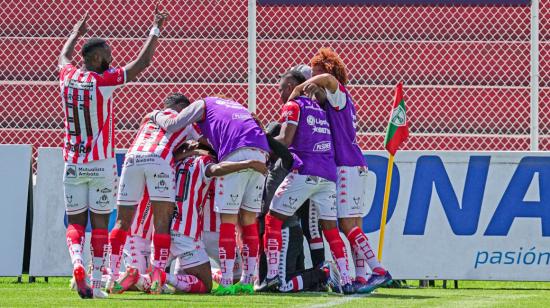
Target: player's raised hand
<point>80,27</point>
<point>160,17</point>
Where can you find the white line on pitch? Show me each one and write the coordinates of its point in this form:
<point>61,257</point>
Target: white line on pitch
<point>340,301</point>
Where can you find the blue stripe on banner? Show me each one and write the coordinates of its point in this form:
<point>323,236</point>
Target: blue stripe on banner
<point>400,2</point>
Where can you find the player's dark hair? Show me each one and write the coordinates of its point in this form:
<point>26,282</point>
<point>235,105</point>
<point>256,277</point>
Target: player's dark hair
<point>273,129</point>
<point>91,45</point>
<point>176,99</point>
<point>296,75</point>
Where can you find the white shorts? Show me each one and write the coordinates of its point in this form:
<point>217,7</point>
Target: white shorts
<point>243,189</point>
<point>187,251</point>
<point>91,186</point>
<point>351,189</point>
<point>146,169</point>
<point>137,253</point>
<point>297,188</point>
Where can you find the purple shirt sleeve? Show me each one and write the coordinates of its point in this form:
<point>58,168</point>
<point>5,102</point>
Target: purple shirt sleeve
<point>191,114</point>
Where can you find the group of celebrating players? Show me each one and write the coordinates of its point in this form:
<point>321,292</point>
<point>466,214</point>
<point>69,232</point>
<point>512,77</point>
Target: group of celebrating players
<point>202,182</point>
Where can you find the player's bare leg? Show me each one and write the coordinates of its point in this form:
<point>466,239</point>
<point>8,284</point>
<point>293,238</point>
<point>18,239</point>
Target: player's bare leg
<point>75,242</point>
<point>363,255</point>
<point>163,212</point>
<point>100,249</point>
<point>117,239</point>
<point>338,250</point>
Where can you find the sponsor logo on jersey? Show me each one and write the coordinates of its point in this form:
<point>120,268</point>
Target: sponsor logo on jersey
<point>103,201</point>
<point>161,186</point>
<point>71,171</point>
<point>322,146</point>
<point>240,116</point>
<point>161,175</point>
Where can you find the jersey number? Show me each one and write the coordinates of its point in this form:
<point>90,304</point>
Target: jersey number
<point>186,183</point>
<point>73,117</point>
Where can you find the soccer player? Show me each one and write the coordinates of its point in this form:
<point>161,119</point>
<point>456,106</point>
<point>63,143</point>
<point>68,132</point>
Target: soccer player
<point>329,72</point>
<point>195,178</point>
<point>291,269</point>
<point>90,178</point>
<point>307,134</point>
<point>235,136</point>
<point>150,163</point>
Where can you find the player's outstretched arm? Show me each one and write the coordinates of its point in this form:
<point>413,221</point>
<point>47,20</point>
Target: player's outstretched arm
<point>326,81</point>
<point>224,168</point>
<point>134,68</point>
<point>170,123</point>
<point>67,52</point>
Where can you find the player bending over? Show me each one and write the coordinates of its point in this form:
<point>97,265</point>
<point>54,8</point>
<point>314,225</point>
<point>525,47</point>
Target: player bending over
<point>150,163</point>
<point>235,136</point>
<point>329,73</point>
<point>195,177</point>
<point>90,178</point>
<point>306,132</point>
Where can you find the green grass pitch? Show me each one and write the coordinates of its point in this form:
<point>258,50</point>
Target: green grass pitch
<point>470,294</point>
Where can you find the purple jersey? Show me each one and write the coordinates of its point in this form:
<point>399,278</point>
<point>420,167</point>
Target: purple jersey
<point>228,126</point>
<point>312,142</point>
<point>344,135</point>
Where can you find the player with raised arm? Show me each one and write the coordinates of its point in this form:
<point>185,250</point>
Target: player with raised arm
<point>329,72</point>
<point>150,163</point>
<point>305,130</point>
<point>90,178</point>
<point>235,136</point>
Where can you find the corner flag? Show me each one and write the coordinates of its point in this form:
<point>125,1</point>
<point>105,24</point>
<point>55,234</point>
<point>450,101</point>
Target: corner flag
<point>398,128</point>
<point>397,133</point>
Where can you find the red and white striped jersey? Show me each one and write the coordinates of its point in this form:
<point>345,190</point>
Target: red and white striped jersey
<point>211,219</point>
<point>142,225</point>
<point>153,139</point>
<point>89,123</point>
<point>191,194</point>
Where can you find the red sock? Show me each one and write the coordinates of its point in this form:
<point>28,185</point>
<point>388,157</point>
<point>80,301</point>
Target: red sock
<point>75,240</point>
<point>117,239</point>
<point>363,253</point>
<point>338,249</point>
<point>273,241</point>
<point>186,283</point>
<point>161,242</point>
<point>249,252</point>
<point>99,243</point>
<point>227,247</point>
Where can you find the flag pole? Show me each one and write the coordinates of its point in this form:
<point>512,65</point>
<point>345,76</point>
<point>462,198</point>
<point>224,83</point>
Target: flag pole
<point>385,207</point>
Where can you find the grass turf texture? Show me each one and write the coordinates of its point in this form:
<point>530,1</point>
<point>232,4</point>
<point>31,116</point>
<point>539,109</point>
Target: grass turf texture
<point>470,294</point>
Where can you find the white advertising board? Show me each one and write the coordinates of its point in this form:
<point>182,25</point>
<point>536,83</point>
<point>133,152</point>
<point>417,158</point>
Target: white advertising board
<point>15,164</point>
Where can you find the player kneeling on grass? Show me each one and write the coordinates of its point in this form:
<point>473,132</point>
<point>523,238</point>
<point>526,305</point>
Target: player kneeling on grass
<point>194,179</point>
<point>90,178</point>
<point>149,163</point>
<point>235,136</point>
